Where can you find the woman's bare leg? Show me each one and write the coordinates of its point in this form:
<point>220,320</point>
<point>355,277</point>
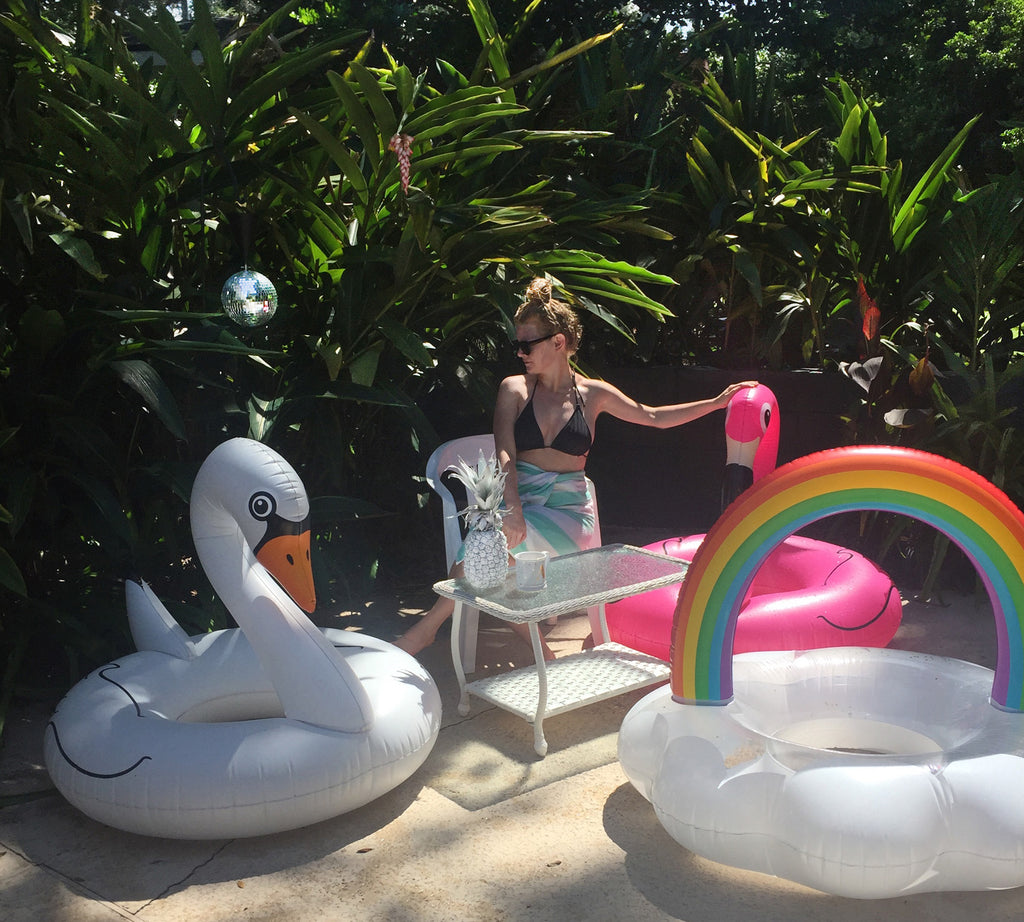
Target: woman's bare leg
<point>421,635</point>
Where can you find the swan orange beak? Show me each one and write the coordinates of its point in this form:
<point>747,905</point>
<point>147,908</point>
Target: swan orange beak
<point>286,558</point>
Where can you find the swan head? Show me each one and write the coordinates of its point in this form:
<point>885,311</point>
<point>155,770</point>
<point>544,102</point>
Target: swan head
<point>751,439</point>
<point>247,492</point>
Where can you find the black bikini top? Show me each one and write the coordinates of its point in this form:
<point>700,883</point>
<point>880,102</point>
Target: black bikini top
<point>574,439</point>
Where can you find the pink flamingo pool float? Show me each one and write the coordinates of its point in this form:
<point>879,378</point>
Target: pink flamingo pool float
<point>808,594</point>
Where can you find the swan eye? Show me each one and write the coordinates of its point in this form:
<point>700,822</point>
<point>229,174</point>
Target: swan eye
<point>262,506</point>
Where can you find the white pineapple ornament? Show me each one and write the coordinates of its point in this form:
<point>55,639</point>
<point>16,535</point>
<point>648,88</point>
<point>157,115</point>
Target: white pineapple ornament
<point>485,550</point>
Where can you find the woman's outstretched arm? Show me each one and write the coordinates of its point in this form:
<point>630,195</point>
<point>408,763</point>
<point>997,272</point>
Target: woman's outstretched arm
<point>612,401</point>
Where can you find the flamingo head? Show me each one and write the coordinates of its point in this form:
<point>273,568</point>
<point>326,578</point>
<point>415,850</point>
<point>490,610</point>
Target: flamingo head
<point>751,439</point>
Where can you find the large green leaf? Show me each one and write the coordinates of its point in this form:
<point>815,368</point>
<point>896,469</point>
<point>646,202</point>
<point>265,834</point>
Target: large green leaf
<point>359,116</point>
<point>93,126</point>
<point>380,106</point>
<point>80,251</point>
<point>463,150</point>
<point>408,343</point>
<point>340,154</point>
<point>208,42</point>
<point>591,263</point>
<point>269,90</point>
<point>490,36</point>
<point>10,575</point>
<point>610,290</point>
<point>475,103</point>
<point>913,212</point>
<point>162,34</point>
<point>467,118</point>
<point>142,378</point>
<point>262,415</point>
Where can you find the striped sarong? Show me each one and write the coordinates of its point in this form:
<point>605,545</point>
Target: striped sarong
<point>558,509</point>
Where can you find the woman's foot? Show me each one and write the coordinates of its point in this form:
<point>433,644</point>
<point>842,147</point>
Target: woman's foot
<point>417,638</point>
<point>421,635</point>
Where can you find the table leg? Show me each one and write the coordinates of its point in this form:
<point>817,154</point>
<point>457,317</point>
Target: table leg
<point>604,638</point>
<point>460,673</point>
<point>540,744</point>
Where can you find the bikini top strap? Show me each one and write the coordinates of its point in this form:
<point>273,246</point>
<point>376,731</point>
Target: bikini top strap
<point>580,402</point>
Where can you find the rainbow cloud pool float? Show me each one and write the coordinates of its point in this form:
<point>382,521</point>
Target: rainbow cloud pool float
<point>861,772</point>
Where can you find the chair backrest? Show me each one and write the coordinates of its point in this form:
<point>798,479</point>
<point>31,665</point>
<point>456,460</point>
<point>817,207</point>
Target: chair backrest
<point>443,457</point>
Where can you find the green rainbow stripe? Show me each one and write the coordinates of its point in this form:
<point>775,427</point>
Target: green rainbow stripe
<point>974,513</point>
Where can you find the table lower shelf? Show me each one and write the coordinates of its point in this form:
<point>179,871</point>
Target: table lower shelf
<point>572,681</point>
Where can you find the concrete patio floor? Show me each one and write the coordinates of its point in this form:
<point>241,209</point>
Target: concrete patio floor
<point>484,831</point>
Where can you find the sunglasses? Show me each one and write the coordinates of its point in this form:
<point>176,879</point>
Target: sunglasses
<point>526,345</point>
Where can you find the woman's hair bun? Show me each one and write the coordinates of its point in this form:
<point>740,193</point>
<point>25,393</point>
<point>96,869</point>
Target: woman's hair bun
<point>539,290</point>
<point>551,316</point>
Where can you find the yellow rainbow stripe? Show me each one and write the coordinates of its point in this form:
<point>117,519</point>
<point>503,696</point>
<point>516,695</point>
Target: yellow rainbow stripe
<point>975,514</point>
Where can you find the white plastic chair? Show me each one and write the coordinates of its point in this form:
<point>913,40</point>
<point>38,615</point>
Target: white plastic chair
<point>468,448</point>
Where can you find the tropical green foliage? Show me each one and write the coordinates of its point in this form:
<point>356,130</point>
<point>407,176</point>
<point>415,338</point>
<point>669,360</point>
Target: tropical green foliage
<point>933,64</point>
<point>693,195</point>
<point>138,184</point>
<point>785,225</point>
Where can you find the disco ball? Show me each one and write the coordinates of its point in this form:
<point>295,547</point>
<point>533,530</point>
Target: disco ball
<point>249,298</point>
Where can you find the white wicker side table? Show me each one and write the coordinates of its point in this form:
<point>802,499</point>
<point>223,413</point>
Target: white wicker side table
<point>574,581</point>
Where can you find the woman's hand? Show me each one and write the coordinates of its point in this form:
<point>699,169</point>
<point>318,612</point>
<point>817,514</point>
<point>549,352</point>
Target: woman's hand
<point>514,526</point>
<point>723,399</point>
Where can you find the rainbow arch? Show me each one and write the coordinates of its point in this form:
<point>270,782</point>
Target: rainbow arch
<point>975,514</point>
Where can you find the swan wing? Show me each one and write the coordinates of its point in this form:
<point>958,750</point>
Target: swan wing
<point>152,625</point>
<point>314,683</point>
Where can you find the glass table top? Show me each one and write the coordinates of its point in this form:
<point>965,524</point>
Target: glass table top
<point>574,581</point>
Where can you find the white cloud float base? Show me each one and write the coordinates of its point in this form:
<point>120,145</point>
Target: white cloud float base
<point>861,772</point>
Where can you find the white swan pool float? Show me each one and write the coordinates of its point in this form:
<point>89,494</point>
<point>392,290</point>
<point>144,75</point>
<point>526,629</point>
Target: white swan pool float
<point>857,771</point>
<point>271,726</point>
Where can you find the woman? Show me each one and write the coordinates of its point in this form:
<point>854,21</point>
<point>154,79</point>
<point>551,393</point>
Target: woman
<point>543,425</point>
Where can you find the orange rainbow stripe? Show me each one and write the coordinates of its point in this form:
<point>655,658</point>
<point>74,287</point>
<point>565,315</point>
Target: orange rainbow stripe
<point>975,514</point>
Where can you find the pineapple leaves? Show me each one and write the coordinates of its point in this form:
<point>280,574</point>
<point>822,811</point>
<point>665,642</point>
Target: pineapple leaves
<point>486,484</point>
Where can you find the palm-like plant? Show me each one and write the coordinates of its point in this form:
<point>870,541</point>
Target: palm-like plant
<point>135,185</point>
<point>761,251</point>
<point>887,237</point>
<point>978,300</point>
<point>795,224</point>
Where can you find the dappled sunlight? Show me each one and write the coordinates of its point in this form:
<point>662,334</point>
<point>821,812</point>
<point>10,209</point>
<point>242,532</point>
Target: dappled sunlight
<point>484,830</point>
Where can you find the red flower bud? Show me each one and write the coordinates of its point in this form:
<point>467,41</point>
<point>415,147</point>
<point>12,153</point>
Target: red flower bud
<point>401,144</point>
